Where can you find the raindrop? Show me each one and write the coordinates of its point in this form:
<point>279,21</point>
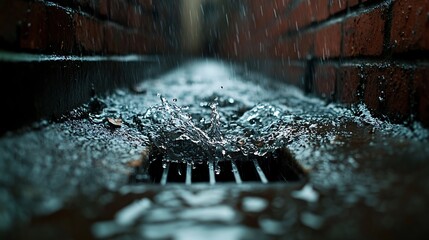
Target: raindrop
<point>217,169</point>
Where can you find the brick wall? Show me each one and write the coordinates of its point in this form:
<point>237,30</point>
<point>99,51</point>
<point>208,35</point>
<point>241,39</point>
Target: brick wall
<point>49,86</point>
<point>369,51</point>
<point>351,51</point>
<point>87,27</point>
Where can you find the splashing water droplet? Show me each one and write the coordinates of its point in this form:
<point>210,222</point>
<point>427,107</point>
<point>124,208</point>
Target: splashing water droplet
<point>217,169</point>
<point>258,132</point>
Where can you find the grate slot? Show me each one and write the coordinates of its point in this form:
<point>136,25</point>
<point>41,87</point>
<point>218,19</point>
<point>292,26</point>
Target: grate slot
<point>200,173</point>
<point>260,172</point>
<point>176,172</point>
<point>236,173</point>
<point>212,173</point>
<point>165,174</point>
<point>224,172</point>
<point>247,171</point>
<point>274,167</point>
<point>188,174</point>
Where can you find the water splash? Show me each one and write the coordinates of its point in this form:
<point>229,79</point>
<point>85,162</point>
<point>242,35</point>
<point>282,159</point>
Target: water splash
<point>173,132</point>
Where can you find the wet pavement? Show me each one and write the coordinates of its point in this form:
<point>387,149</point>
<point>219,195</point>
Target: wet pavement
<point>70,178</point>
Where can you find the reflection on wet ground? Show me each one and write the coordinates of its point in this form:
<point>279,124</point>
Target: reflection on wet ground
<point>70,178</point>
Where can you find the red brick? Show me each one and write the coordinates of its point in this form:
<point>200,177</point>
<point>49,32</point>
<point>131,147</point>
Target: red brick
<point>11,20</point>
<point>294,74</point>
<point>89,33</point>
<point>298,47</point>
<point>159,44</point>
<point>352,3</point>
<point>307,12</point>
<point>328,41</point>
<point>115,40</point>
<point>34,28</point>
<point>282,4</point>
<point>90,4</point>
<point>263,13</point>
<point>398,94</point>
<point>118,11</point>
<point>336,6</point>
<point>280,27</point>
<point>103,8</point>
<point>410,25</point>
<point>324,80</point>
<point>320,10</point>
<point>246,36</point>
<point>146,23</point>
<point>300,16</point>
<point>60,30</point>
<point>147,4</point>
<point>135,16</point>
<point>139,43</point>
<point>277,70</point>
<point>142,43</point>
<point>348,84</point>
<point>387,91</point>
<point>364,34</point>
<point>421,97</point>
<point>373,88</point>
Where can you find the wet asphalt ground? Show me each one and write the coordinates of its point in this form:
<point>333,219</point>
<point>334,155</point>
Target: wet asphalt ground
<point>69,178</point>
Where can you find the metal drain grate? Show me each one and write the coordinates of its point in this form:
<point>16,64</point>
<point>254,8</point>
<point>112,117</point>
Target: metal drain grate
<point>279,166</point>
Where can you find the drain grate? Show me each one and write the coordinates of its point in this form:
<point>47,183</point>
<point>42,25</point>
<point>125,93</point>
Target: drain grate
<point>279,166</point>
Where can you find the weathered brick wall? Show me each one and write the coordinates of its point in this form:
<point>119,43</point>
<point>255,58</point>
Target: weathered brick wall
<point>351,51</point>
<point>369,51</point>
<point>87,27</point>
<point>49,86</point>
